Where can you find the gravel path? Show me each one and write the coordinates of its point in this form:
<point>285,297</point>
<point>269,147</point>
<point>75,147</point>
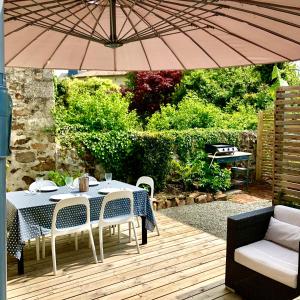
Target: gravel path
<point>211,217</point>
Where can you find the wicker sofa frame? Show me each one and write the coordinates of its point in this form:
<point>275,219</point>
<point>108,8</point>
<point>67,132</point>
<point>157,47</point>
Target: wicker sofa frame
<point>242,230</point>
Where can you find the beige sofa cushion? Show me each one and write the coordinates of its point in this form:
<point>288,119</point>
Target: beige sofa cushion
<point>283,234</point>
<point>271,260</point>
<point>287,214</point>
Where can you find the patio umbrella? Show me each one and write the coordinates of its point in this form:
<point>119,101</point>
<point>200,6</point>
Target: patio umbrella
<point>138,35</point>
<point>150,34</point>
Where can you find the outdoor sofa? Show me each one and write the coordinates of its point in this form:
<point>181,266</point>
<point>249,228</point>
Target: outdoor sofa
<point>260,269</point>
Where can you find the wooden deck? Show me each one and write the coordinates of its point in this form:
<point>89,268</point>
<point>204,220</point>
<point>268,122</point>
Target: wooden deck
<point>181,263</point>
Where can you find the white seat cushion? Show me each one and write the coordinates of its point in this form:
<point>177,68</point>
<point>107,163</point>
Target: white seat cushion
<point>271,260</point>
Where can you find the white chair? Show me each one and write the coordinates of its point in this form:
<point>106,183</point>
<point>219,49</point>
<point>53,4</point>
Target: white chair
<point>150,182</point>
<point>55,232</point>
<point>33,188</point>
<point>117,220</point>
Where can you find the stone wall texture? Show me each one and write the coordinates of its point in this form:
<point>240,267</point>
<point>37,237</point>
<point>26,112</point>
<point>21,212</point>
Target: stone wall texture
<point>33,148</point>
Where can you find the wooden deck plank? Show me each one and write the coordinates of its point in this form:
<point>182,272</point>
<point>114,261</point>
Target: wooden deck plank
<point>181,263</point>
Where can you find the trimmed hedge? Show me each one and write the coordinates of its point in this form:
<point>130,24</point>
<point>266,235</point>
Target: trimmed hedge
<point>129,155</point>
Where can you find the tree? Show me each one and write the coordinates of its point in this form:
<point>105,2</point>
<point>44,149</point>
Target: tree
<point>150,90</point>
<point>93,105</point>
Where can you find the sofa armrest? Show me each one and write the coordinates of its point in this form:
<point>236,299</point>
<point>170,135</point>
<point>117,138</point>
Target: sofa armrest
<point>298,283</point>
<point>247,228</point>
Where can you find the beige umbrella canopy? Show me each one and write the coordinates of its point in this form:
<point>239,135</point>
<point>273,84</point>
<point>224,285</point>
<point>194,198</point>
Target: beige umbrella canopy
<point>150,34</point>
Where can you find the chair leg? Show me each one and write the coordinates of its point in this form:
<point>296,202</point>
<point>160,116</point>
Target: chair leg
<point>53,254</point>
<point>91,239</point>
<point>157,229</point>
<point>138,221</point>
<point>101,243</point>
<point>129,228</point>
<point>114,229</point>
<point>37,248</point>
<point>119,233</point>
<point>43,247</point>
<point>90,243</point>
<point>135,237</point>
<point>76,241</point>
<point>109,230</point>
<point>29,244</point>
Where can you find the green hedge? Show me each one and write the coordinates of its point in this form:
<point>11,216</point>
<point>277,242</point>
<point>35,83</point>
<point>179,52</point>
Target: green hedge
<point>129,155</point>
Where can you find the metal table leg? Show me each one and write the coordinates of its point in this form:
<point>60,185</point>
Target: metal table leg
<point>144,231</point>
<point>21,263</point>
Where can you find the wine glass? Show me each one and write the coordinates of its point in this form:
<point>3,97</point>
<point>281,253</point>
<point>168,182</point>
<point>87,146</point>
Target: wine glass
<point>38,181</point>
<point>108,177</point>
<point>69,182</point>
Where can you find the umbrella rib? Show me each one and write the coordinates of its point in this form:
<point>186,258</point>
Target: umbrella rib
<point>31,41</point>
<point>142,45</point>
<point>162,24</point>
<point>30,5</point>
<point>182,13</point>
<point>259,14</point>
<point>188,36</point>
<point>80,20</point>
<point>148,24</point>
<point>264,4</point>
<point>136,24</point>
<point>124,23</point>
<point>46,25</point>
<point>97,19</point>
<point>14,17</point>
<point>247,22</point>
<point>60,43</point>
<point>214,24</point>
<point>229,46</point>
<point>31,22</point>
<point>89,42</point>
<point>240,37</point>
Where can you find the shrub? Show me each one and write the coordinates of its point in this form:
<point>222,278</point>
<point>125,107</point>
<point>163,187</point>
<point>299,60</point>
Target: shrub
<point>59,176</point>
<point>94,104</point>
<point>151,156</point>
<point>129,155</point>
<point>192,112</point>
<point>199,173</point>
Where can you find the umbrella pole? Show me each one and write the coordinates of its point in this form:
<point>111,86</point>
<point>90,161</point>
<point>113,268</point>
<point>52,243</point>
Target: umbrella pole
<point>5,129</point>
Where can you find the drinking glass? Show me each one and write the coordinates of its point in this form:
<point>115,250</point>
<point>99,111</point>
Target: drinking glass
<point>108,177</point>
<point>38,181</point>
<point>69,182</point>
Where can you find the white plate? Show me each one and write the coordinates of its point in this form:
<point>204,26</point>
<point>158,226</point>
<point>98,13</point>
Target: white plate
<point>108,190</point>
<point>61,197</point>
<point>48,188</point>
<point>93,183</point>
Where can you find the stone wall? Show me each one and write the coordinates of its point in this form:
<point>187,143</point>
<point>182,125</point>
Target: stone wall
<point>33,148</point>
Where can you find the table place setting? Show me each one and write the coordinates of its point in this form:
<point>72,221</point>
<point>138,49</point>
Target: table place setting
<point>29,213</point>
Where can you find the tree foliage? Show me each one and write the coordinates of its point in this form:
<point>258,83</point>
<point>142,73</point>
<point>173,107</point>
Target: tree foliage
<point>230,87</point>
<point>93,104</point>
<point>150,90</point>
<point>194,112</point>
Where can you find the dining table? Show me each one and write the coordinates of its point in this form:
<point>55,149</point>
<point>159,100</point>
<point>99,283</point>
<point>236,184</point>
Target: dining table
<point>29,215</point>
